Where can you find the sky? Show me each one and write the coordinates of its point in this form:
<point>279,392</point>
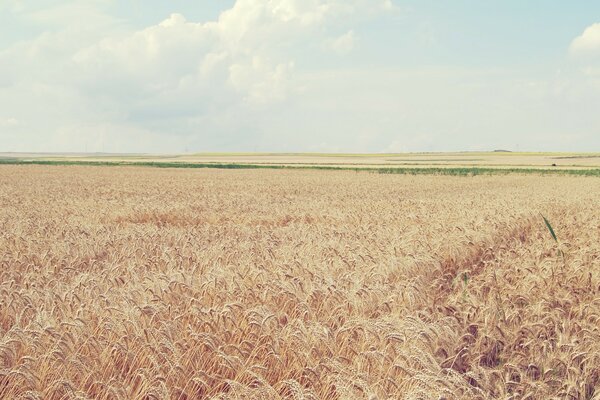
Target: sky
<point>299,76</point>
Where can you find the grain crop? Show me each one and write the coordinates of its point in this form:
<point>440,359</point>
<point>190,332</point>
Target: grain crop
<point>140,283</point>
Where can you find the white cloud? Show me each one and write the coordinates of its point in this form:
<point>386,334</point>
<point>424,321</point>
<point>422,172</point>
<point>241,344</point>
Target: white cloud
<point>588,42</point>
<point>257,78</point>
<point>585,50</point>
<point>244,42</point>
<point>8,122</point>
<point>343,44</point>
<point>167,60</point>
<point>13,6</point>
<point>261,82</point>
<point>88,74</point>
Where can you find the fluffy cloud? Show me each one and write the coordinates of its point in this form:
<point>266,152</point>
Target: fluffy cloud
<point>88,75</point>
<point>245,41</point>
<point>175,55</point>
<point>588,42</point>
<point>266,75</point>
<point>8,122</point>
<point>343,44</point>
<point>585,51</point>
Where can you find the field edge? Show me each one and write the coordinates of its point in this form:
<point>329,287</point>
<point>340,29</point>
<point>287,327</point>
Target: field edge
<point>453,171</point>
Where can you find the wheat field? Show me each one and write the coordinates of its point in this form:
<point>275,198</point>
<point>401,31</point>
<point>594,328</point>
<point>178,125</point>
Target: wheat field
<point>140,283</point>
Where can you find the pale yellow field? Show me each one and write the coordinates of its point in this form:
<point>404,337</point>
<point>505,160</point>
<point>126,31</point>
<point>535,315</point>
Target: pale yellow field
<point>461,159</point>
<point>142,283</point>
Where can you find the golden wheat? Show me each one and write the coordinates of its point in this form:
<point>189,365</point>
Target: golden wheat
<point>133,283</point>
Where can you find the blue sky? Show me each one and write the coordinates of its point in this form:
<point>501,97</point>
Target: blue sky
<point>299,75</point>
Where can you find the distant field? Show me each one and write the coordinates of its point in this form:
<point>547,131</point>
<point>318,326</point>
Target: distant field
<point>453,163</point>
<point>148,283</point>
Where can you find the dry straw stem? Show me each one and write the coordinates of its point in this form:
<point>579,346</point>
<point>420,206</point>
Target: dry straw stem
<point>135,283</point>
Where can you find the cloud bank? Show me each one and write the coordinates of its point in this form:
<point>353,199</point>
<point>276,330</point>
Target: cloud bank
<point>278,75</point>
<point>97,85</point>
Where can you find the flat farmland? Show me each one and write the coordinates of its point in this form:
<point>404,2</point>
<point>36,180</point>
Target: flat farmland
<point>144,283</point>
<point>495,160</point>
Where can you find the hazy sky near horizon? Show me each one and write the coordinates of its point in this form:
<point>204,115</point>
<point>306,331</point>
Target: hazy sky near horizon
<point>299,75</point>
